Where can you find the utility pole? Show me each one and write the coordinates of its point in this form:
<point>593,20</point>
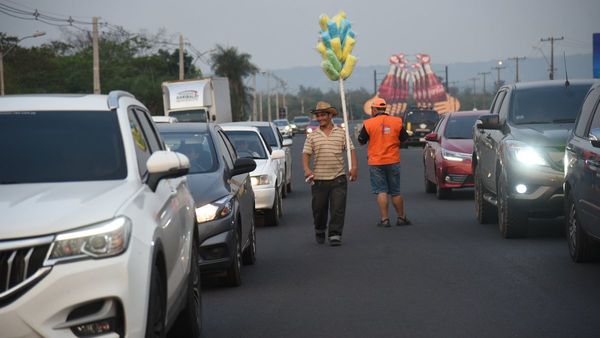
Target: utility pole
<point>254,97</point>
<point>260,106</point>
<point>302,106</point>
<point>452,83</point>
<point>484,96</point>
<point>374,81</point>
<point>498,68</point>
<point>180,56</point>
<point>552,39</point>
<point>474,79</point>
<point>516,59</point>
<point>8,50</point>
<point>269,96</point>
<point>96,55</point>
<point>446,84</point>
<point>276,104</point>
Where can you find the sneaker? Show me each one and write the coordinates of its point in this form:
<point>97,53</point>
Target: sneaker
<point>384,223</point>
<point>403,221</point>
<point>320,236</point>
<point>335,240</point>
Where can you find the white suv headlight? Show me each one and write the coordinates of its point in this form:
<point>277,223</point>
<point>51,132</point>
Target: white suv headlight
<point>214,210</point>
<point>101,240</point>
<point>525,154</point>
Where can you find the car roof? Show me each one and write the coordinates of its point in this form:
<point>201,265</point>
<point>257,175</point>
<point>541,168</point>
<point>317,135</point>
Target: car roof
<point>550,83</point>
<point>184,127</point>
<point>469,113</point>
<point>49,102</point>
<point>235,127</point>
<point>249,123</point>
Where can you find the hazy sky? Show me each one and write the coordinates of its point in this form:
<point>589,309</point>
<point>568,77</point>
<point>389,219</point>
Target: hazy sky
<point>283,33</point>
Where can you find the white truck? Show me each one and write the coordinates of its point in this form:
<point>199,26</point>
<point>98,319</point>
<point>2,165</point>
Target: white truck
<point>200,100</point>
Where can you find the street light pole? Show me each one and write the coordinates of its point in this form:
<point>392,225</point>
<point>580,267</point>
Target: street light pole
<point>498,67</point>
<point>3,53</point>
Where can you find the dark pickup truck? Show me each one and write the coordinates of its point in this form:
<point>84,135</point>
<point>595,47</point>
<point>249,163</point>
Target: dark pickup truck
<point>518,152</point>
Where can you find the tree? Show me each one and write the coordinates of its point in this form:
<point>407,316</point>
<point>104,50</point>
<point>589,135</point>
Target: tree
<point>228,62</point>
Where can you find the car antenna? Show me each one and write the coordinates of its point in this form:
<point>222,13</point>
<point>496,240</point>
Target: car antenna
<point>567,83</point>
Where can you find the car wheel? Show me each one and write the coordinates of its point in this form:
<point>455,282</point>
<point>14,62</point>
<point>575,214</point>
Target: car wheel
<point>486,213</point>
<point>280,204</point>
<point>580,245</point>
<point>234,273</point>
<point>155,323</point>
<point>512,220</point>
<point>288,186</point>
<point>189,322</point>
<point>249,255</point>
<point>272,215</point>
<point>429,186</point>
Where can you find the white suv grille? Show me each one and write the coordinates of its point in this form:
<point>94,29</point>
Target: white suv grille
<point>21,266</point>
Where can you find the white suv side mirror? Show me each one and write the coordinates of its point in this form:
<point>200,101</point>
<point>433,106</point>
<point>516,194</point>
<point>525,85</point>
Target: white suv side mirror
<point>278,154</point>
<point>287,142</point>
<point>166,164</point>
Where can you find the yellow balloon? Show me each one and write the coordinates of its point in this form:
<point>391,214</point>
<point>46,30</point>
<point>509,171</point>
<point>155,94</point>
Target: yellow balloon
<point>322,49</point>
<point>323,19</point>
<point>336,46</point>
<point>348,46</point>
<point>348,67</point>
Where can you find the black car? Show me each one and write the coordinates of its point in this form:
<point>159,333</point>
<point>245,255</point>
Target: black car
<point>518,152</point>
<point>582,180</point>
<point>418,123</point>
<point>223,195</point>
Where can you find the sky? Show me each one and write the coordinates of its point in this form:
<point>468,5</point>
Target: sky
<point>281,34</point>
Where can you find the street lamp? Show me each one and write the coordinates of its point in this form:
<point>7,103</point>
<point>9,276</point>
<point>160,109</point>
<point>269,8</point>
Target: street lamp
<point>2,53</point>
<point>498,67</point>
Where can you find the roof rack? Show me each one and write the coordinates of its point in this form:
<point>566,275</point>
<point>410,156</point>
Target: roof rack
<point>114,96</point>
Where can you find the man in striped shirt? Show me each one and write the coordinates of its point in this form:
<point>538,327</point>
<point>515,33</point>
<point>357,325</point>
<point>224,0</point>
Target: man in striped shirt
<point>327,146</point>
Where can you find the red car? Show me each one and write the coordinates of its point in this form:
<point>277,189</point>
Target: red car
<point>447,153</point>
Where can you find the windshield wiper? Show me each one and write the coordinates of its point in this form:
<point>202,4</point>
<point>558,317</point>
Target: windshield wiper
<point>563,121</point>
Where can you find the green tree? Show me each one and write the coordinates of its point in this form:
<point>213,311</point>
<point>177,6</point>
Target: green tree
<point>230,63</point>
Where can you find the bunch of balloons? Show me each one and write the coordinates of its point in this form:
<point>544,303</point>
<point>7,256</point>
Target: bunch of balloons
<point>336,42</point>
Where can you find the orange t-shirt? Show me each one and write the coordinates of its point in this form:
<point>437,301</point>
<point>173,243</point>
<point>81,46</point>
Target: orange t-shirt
<point>384,139</point>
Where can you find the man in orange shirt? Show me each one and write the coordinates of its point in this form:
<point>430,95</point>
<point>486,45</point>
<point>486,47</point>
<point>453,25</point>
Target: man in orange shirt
<point>384,134</point>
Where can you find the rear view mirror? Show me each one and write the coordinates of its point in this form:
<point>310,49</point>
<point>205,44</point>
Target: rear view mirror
<point>594,137</point>
<point>278,154</point>
<point>166,164</point>
<point>433,137</point>
<point>488,122</point>
<point>287,142</point>
<point>242,165</point>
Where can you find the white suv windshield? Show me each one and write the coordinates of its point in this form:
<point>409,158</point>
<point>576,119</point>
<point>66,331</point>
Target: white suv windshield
<point>60,146</point>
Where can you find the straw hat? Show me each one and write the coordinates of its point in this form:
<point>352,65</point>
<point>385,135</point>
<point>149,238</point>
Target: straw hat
<point>324,107</point>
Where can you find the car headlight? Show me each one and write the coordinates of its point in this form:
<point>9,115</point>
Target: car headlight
<point>287,128</point>
<point>343,125</point>
<point>525,154</point>
<point>293,126</point>
<point>101,240</point>
<point>260,180</point>
<point>455,156</point>
<point>214,210</point>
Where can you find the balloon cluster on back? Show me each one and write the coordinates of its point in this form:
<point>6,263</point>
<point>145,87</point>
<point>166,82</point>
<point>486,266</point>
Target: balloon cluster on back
<point>336,42</point>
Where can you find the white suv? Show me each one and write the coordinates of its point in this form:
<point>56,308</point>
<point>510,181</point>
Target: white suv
<point>96,221</point>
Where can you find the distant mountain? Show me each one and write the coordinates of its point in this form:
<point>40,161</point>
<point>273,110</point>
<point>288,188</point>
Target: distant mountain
<point>579,66</point>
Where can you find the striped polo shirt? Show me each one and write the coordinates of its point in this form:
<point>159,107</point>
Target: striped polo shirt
<point>327,152</point>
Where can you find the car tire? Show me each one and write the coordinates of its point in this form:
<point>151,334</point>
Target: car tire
<point>429,186</point>
<point>189,322</point>
<point>272,215</point>
<point>157,306</point>
<point>288,186</point>
<point>234,273</point>
<point>580,244</point>
<point>249,255</point>
<point>486,213</point>
<point>512,220</point>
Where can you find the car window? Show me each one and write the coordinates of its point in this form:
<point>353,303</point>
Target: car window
<point>460,127</point>
<point>586,113</point>
<point>269,135</point>
<point>556,104</point>
<point>247,143</point>
<point>229,159</point>
<point>429,116</point>
<point>230,147</point>
<point>190,115</point>
<point>497,102</point>
<point>60,146</point>
<point>148,129</point>
<point>313,123</point>
<point>281,123</point>
<point>198,147</point>
<point>596,120</point>
<point>301,119</point>
<point>142,149</point>
<point>440,123</point>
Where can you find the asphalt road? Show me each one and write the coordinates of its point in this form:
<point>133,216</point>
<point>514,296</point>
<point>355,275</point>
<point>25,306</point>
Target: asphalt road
<point>444,276</point>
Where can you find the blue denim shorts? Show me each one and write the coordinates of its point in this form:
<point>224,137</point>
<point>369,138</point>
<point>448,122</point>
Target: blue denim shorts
<point>385,178</point>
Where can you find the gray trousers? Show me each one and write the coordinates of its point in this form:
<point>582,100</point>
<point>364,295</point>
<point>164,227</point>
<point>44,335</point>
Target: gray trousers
<point>329,196</point>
